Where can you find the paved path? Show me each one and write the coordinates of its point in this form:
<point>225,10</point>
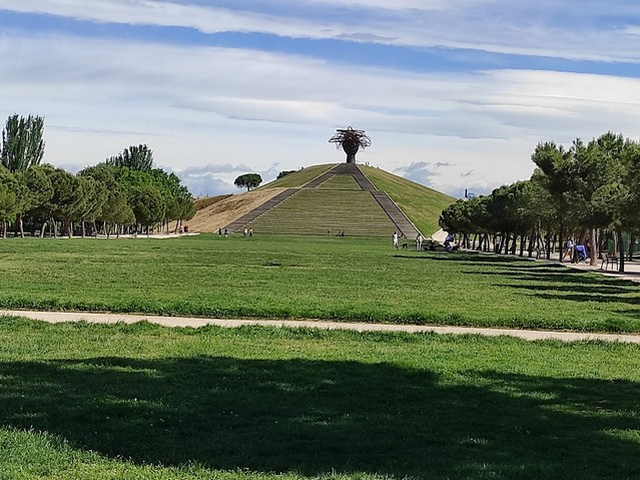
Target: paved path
<point>57,317</point>
<point>631,269</point>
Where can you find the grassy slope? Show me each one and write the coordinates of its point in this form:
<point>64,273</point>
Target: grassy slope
<point>421,204</point>
<point>127,402</point>
<point>318,211</point>
<point>299,178</point>
<point>313,277</point>
<point>205,202</point>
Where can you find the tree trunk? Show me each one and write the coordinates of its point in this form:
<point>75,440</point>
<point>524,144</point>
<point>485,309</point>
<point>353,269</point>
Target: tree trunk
<point>632,243</point>
<point>20,224</point>
<point>84,233</point>
<point>548,242</point>
<point>560,239</point>
<point>593,247</point>
<point>533,237</point>
<point>621,250</point>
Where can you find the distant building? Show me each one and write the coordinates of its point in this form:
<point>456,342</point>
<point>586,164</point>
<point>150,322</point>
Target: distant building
<point>468,195</point>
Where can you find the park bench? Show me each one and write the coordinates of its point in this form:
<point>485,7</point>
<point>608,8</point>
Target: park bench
<point>608,259</point>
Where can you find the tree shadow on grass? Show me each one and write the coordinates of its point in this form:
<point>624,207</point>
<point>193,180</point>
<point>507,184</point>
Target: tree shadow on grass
<point>315,417</point>
<point>595,290</point>
<point>464,257</point>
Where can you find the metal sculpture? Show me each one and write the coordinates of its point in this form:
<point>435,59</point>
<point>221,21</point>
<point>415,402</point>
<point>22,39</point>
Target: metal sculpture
<point>350,140</point>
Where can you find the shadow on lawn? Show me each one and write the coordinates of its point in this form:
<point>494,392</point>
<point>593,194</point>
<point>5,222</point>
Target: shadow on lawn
<point>316,417</point>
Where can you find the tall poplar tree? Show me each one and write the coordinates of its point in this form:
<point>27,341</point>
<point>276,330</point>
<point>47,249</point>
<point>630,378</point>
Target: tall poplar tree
<point>22,143</point>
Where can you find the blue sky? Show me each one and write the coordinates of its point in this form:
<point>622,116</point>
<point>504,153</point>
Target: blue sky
<point>454,94</point>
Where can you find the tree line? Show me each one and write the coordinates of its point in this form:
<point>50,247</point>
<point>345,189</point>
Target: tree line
<point>123,194</point>
<point>588,192</point>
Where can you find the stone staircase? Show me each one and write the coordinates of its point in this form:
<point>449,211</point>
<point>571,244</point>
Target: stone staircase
<point>396,215</point>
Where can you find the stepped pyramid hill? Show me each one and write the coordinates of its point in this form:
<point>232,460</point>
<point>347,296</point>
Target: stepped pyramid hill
<point>329,199</point>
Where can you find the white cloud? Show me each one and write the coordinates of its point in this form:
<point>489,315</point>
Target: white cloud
<point>196,106</point>
<point>521,28</point>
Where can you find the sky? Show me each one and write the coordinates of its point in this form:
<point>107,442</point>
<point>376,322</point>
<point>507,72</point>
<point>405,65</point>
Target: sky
<point>454,94</point>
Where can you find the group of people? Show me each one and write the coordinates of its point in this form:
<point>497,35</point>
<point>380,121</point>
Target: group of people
<point>395,238</point>
<point>577,253</point>
<point>247,232</point>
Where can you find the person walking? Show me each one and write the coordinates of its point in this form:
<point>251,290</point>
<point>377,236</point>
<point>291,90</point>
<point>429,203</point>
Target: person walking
<point>394,239</point>
<point>568,250</point>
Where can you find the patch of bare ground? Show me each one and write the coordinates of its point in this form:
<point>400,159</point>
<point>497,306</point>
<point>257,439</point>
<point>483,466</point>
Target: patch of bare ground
<point>225,211</point>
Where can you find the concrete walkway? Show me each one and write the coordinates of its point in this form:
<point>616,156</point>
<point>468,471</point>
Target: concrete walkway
<point>109,318</point>
<point>631,269</point>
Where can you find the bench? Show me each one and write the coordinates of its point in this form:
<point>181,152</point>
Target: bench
<point>608,259</point>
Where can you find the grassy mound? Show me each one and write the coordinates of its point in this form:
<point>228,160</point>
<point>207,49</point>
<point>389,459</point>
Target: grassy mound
<point>421,204</point>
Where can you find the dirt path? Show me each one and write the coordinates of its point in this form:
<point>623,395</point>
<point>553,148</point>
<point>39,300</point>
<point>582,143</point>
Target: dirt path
<point>222,213</point>
<point>58,317</point>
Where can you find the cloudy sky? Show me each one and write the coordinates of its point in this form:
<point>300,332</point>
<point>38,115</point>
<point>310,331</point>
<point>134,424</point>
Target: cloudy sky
<point>453,93</point>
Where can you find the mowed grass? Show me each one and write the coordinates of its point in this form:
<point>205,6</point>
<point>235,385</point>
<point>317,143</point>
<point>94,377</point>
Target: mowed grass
<point>351,279</point>
<point>141,401</point>
<point>299,177</point>
<point>320,211</point>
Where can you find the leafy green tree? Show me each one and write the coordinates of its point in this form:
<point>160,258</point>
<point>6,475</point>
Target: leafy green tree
<point>10,192</point>
<point>94,197</point>
<point>115,210</point>
<point>545,214</point>
<point>248,181</point>
<point>138,157</point>
<point>557,175</point>
<point>176,196</point>
<point>37,191</point>
<point>284,173</point>
<point>479,220</point>
<point>22,143</point>
<point>148,206</point>
<point>64,202</point>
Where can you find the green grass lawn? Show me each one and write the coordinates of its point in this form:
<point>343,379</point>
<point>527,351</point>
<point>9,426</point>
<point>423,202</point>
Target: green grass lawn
<point>128,402</point>
<point>310,277</point>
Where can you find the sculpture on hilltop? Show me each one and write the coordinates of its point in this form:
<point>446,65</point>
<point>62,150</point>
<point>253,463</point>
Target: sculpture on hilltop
<point>350,140</point>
